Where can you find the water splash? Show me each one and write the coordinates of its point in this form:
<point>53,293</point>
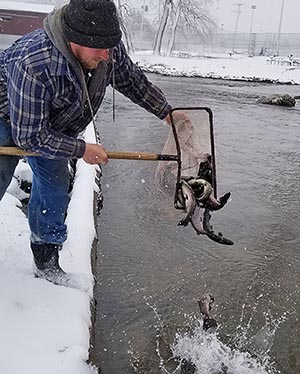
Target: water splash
<point>260,344</point>
<point>211,356</point>
<point>250,356</point>
<point>197,352</point>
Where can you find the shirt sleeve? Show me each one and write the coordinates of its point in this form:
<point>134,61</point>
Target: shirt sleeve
<point>132,82</point>
<point>29,99</point>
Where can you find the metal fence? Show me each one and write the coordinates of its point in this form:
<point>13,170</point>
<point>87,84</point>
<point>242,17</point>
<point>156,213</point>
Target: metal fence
<point>254,45</point>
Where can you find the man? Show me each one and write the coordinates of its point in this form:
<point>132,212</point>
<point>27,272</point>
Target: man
<point>52,82</point>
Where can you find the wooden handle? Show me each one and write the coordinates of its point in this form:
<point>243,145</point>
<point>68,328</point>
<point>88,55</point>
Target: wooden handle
<point>132,156</point>
<point>15,151</point>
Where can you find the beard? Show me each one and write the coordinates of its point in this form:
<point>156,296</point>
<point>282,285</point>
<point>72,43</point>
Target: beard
<point>90,64</point>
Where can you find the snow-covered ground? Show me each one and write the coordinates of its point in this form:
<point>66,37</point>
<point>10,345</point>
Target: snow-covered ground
<point>238,67</point>
<point>46,328</point>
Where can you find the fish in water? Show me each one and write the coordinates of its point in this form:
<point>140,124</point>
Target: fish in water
<point>205,302</point>
<point>185,365</point>
<point>209,325</point>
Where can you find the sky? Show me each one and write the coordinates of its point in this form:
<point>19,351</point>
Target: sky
<point>266,15</point>
<point>44,327</point>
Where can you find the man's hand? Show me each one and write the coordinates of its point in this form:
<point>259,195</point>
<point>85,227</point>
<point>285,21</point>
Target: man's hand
<point>178,115</point>
<point>95,154</point>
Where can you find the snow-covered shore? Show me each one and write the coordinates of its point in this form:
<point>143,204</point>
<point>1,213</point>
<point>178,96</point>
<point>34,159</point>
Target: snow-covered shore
<point>280,70</point>
<point>46,328</point>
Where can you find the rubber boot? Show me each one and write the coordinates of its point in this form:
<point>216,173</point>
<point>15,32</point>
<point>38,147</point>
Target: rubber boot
<point>46,261</point>
<point>46,258</point>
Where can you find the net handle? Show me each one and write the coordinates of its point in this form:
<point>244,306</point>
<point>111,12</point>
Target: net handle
<point>117,155</point>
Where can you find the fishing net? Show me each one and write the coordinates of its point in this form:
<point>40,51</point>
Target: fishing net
<point>194,131</point>
<point>192,178</point>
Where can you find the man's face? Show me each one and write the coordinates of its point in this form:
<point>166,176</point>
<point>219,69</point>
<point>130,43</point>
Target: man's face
<point>89,58</point>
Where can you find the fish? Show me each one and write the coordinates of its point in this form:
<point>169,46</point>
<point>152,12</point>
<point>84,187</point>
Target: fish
<point>186,198</point>
<point>205,172</point>
<point>205,302</point>
<point>202,189</point>
<point>208,229</point>
<point>197,220</point>
<point>204,194</point>
<point>205,169</point>
<point>217,204</point>
<point>195,197</point>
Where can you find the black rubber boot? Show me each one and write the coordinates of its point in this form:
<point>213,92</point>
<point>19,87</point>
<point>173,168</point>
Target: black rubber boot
<point>46,258</point>
<point>46,261</point>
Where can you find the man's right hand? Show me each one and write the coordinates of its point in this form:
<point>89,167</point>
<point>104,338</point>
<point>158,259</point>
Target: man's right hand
<point>178,115</point>
<point>95,154</point>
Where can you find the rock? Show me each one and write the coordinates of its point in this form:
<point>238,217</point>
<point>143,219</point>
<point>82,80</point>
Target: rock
<point>277,99</point>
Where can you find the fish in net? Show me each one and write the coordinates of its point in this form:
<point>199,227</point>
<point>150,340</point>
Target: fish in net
<point>193,178</point>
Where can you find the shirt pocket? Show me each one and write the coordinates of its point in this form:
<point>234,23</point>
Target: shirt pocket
<point>63,111</point>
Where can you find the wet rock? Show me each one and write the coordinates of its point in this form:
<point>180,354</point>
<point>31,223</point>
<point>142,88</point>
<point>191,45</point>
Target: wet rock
<point>277,99</point>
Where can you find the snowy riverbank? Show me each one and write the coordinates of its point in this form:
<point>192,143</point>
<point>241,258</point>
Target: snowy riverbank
<point>46,328</point>
<point>280,70</point>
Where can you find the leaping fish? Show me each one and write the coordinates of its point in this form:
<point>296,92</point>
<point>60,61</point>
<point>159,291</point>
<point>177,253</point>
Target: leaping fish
<point>205,303</point>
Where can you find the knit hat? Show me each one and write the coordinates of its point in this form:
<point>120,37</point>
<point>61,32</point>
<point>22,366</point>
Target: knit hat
<point>92,23</point>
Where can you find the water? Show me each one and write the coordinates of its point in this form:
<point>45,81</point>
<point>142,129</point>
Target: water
<point>150,272</point>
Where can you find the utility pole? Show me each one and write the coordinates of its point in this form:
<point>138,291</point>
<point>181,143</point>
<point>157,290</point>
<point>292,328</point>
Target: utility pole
<point>144,9</point>
<point>238,13</point>
<point>279,29</point>
<point>253,7</point>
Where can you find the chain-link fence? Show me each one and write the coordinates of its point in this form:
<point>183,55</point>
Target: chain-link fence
<point>256,44</point>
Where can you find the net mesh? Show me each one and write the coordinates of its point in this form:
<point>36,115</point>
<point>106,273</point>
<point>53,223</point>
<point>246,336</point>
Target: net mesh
<point>194,136</point>
<point>193,181</point>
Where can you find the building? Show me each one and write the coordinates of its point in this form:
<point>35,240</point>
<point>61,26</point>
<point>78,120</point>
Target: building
<point>18,18</point>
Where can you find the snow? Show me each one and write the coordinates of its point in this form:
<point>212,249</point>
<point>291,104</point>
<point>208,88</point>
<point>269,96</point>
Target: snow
<point>45,328</point>
<point>23,6</point>
<point>237,67</point>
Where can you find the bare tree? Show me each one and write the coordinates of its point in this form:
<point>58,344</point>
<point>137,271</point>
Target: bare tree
<point>174,28</point>
<point>124,10</point>
<point>162,26</point>
<point>190,16</point>
<point>141,30</point>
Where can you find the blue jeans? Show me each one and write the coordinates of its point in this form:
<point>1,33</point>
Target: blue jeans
<point>49,197</point>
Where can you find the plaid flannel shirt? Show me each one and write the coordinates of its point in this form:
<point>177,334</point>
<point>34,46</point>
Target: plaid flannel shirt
<point>42,98</point>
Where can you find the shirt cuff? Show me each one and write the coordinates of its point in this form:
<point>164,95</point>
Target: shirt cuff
<point>79,149</point>
<point>164,111</point>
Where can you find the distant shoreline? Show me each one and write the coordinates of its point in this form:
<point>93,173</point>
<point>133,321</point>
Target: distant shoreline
<point>237,67</point>
<point>153,70</point>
